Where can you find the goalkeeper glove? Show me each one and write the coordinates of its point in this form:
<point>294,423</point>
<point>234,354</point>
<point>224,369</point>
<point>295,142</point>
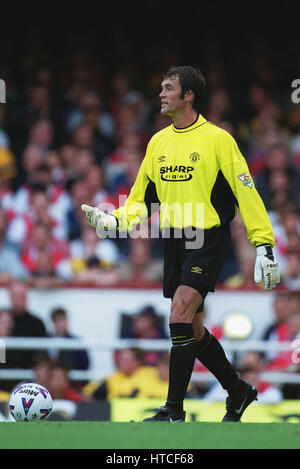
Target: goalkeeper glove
<point>266,267</point>
<point>99,220</point>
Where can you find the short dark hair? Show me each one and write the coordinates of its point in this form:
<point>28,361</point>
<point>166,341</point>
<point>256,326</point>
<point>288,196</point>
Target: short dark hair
<point>190,78</point>
<point>57,313</point>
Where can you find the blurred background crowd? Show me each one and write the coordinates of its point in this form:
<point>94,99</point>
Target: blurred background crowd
<point>75,126</point>
<point>81,106</point>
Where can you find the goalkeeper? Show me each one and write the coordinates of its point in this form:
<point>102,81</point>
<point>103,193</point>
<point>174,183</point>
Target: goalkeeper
<point>194,172</point>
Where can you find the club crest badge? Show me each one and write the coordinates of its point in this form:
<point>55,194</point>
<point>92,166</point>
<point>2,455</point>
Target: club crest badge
<point>194,157</point>
<point>246,180</point>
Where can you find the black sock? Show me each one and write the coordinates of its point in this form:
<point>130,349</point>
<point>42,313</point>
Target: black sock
<point>211,354</point>
<point>182,359</point>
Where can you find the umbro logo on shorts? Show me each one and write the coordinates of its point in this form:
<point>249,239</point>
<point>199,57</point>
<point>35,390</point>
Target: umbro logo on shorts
<point>196,270</point>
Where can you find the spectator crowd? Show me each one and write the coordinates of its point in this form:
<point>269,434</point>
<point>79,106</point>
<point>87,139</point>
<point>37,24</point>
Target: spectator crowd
<point>80,134</point>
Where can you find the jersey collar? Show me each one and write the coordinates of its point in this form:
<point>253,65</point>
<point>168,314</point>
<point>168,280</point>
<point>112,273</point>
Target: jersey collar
<point>198,122</point>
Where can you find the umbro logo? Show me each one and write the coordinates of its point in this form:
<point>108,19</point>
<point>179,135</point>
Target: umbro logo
<point>161,159</point>
<point>196,270</point>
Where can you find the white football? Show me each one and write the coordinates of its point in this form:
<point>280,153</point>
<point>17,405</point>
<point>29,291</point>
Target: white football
<point>29,402</point>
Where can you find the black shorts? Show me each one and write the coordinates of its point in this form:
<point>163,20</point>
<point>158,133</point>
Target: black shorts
<point>198,268</point>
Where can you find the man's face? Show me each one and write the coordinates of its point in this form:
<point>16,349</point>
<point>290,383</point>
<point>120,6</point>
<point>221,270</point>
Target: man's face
<point>170,96</point>
<point>294,322</point>
<point>61,325</point>
<point>41,237</point>
<point>281,309</point>
<point>18,297</point>
<point>59,382</point>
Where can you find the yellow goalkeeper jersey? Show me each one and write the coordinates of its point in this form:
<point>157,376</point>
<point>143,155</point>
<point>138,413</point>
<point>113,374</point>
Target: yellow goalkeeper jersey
<point>198,178</point>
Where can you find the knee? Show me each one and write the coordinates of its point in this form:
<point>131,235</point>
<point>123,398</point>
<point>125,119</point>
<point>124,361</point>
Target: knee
<point>181,311</point>
<point>184,305</point>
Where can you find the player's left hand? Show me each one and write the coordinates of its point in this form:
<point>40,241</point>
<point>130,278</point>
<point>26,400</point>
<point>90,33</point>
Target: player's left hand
<point>99,220</point>
<point>266,267</point>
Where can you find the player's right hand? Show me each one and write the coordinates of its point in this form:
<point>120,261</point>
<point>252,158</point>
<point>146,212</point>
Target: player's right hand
<point>99,220</point>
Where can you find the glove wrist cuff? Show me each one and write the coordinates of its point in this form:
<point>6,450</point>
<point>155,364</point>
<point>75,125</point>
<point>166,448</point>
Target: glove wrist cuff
<point>261,250</point>
<point>266,251</point>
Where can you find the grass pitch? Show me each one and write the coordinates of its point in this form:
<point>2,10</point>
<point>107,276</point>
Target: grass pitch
<point>115,435</point>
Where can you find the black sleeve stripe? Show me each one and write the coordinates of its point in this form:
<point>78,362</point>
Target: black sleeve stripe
<point>151,198</point>
<point>223,199</point>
